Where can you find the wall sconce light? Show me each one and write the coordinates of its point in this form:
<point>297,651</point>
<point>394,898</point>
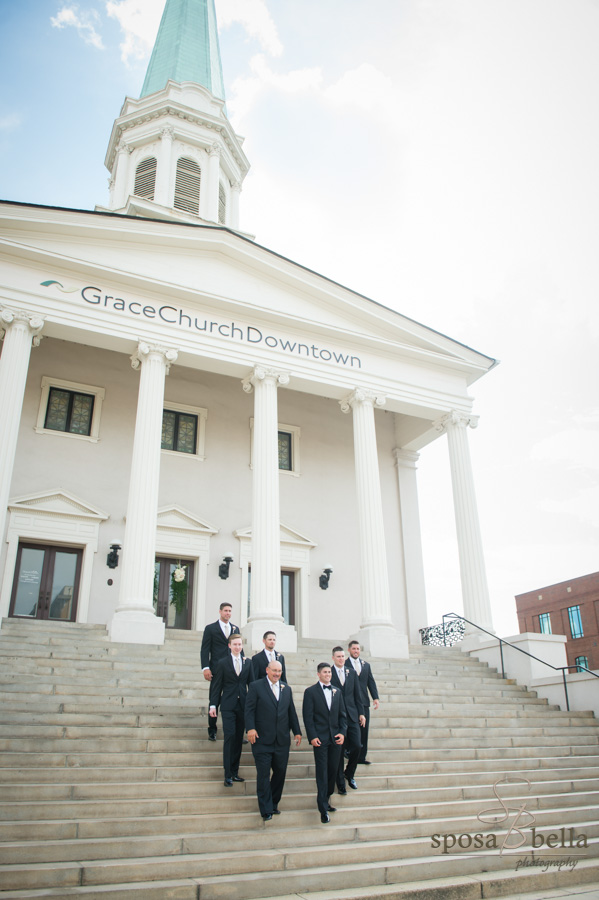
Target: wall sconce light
<point>112,560</point>
<point>325,578</point>
<point>223,569</point>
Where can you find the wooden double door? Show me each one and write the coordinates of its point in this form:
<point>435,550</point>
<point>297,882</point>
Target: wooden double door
<point>175,611</point>
<point>46,583</point>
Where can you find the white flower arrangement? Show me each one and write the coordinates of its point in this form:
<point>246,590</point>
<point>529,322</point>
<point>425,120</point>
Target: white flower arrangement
<point>179,573</point>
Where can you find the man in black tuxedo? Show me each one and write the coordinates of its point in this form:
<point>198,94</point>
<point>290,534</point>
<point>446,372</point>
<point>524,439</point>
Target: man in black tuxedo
<point>344,678</point>
<point>228,690</point>
<point>326,725</point>
<point>269,717</point>
<point>269,654</point>
<point>368,688</point>
<point>215,646</point>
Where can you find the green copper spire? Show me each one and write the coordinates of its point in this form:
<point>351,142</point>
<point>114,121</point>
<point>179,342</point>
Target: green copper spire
<point>186,48</point>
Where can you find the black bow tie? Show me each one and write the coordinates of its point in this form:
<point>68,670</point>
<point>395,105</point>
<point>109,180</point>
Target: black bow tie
<point>327,687</point>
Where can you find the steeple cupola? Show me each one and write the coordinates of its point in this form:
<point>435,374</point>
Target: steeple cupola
<point>173,153</point>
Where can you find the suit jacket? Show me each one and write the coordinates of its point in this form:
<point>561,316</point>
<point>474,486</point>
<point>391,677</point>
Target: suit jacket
<point>367,683</point>
<point>351,690</point>
<point>227,688</point>
<point>320,721</point>
<point>272,719</point>
<point>214,644</point>
<point>260,662</point>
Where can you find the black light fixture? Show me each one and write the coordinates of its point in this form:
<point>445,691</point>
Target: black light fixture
<point>112,560</point>
<point>325,578</point>
<point>223,569</point>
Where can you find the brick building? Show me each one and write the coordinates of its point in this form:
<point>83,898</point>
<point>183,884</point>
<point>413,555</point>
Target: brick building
<point>570,608</point>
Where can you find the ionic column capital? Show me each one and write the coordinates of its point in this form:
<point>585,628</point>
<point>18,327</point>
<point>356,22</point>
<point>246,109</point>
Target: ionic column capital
<point>167,132</point>
<point>215,150</point>
<point>261,374</point>
<point>236,186</point>
<point>361,396</point>
<point>145,351</point>
<point>33,321</point>
<point>456,420</point>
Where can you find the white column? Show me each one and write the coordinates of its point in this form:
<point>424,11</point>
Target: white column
<point>235,195</point>
<point>164,167</point>
<point>475,591</point>
<point>405,462</point>
<point>211,207</point>
<point>377,632</point>
<point>134,620</point>
<point>21,331</point>
<point>265,606</point>
<point>121,175</point>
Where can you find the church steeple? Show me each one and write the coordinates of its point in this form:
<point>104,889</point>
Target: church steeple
<point>173,153</point>
<point>186,48</point>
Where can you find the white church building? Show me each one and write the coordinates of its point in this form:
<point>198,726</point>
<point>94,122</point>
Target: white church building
<point>189,418</point>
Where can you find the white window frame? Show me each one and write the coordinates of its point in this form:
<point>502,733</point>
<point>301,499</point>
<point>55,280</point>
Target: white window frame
<point>295,432</point>
<point>202,415</point>
<point>98,394</point>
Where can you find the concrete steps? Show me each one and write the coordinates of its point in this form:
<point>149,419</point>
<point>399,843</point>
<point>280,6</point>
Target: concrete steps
<point>110,789</point>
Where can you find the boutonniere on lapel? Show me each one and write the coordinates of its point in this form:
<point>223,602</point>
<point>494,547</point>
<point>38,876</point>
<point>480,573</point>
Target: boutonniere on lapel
<point>334,691</point>
<point>346,672</point>
<point>282,687</point>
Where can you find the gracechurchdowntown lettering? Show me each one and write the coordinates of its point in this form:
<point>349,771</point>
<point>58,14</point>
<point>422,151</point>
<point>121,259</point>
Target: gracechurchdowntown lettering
<point>249,334</point>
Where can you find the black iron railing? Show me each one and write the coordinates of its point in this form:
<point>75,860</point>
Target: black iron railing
<point>448,632</point>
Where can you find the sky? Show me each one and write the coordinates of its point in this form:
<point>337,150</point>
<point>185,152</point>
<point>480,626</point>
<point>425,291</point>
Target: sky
<point>438,156</point>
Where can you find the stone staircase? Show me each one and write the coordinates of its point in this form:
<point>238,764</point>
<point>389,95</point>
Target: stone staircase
<point>110,789</point>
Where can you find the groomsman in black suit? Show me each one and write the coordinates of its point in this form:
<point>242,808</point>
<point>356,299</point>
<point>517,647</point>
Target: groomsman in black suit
<point>326,725</point>
<point>228,690</point>
<point>215,646</point>
<point>369,689</point>
<point>344,678</point>
<point>269,654</point>
<point>269,717</point>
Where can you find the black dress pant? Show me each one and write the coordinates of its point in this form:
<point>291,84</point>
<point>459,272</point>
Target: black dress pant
<point>269,788</point>
<point>364,735</point>
<point>233,726</point>
<point>326,761</point>
<point>352,744</point>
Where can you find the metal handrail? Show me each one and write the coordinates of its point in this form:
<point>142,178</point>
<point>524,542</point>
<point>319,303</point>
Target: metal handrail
<point>561,669</point>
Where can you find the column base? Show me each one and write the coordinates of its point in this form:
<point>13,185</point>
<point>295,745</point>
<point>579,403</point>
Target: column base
<point>286,635</point>
<point>383,640</point>
<point>136,627</point>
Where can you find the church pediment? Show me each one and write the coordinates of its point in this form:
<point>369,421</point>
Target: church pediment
<point>175,518</point>
<point>57,503</point>
<point>288,536</point>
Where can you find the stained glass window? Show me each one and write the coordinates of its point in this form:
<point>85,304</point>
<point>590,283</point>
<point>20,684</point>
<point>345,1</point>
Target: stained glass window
<point>285,460</point>
<point>69,411</point>
<point>179,431</point>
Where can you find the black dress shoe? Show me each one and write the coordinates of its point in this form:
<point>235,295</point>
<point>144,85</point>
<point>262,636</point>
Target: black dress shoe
<point>267,817</point>
<point>228,782</point>
<point>341,790</point>
<point>364,762</point>
<point>245,741</point>
<point>238,778</point>
<point>324,818</point>
<point>352,783</point>
<point>332,808</point>
<point>211,737</point>
<point>276,812</point>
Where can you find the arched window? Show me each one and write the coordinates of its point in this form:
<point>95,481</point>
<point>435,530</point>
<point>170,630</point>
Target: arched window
<point>145,179</point>
<point>187,186</point>
<point>222,204</point>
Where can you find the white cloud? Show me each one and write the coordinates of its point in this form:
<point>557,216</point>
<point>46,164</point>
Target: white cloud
<point>577,446</point>
<point>582,506</point>
<point>83,20</point>
<point>247,90</point>
<point>139,20</point>
<point>365,88</point>
<point>255,18</point>
<point>10,122</point>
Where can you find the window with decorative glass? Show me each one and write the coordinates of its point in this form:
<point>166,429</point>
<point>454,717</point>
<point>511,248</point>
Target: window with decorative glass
<point>575,622</point>
<point>286,451</point>
<point>544,623</point>
<point>69,411</point>
<point>582,661</point>
<point>179,431</point>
